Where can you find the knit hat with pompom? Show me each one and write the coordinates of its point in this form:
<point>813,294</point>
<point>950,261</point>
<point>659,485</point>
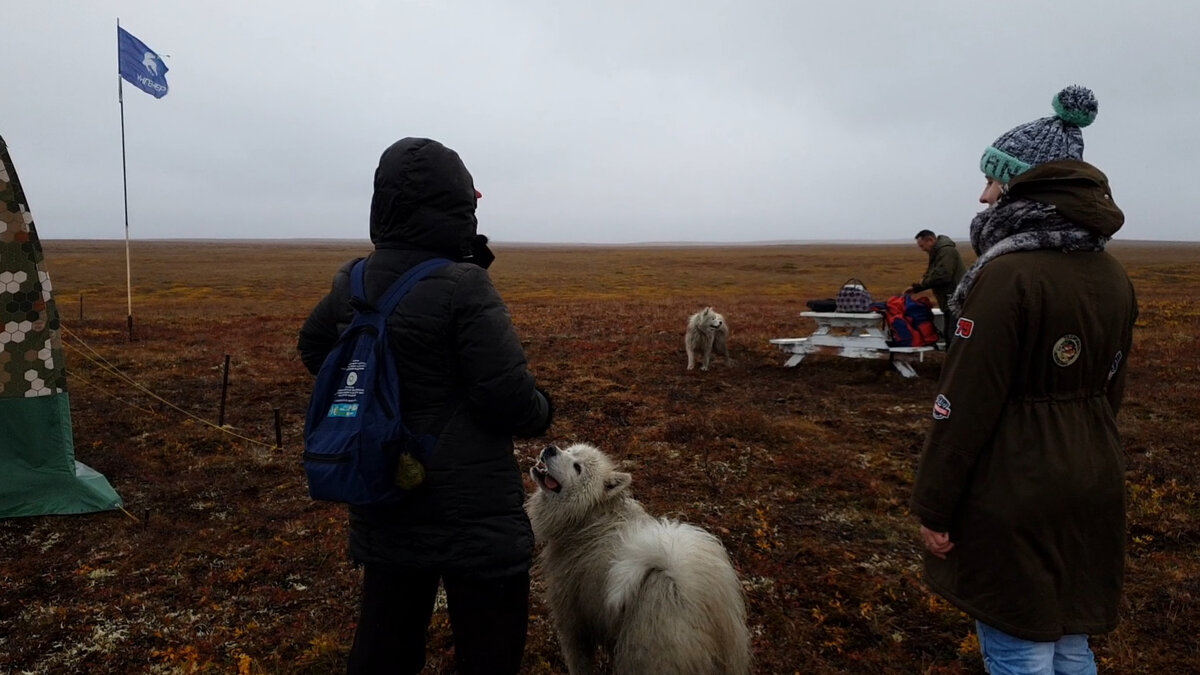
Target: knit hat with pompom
<point>1042,140</point>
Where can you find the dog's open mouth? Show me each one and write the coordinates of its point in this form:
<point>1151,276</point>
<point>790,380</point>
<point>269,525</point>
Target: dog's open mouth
<point>544,478</point>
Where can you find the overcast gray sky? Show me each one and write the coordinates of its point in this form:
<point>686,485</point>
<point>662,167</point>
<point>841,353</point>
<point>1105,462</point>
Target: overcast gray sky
<point>596,122</point>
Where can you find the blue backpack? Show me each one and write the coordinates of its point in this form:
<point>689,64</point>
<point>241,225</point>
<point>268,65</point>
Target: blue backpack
<point>354,437</point>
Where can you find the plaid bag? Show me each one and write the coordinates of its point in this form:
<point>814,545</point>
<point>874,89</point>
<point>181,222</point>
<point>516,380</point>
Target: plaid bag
<point>853,297</point>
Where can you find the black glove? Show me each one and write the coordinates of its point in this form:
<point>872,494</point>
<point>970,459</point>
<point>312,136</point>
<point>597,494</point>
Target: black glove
<point>549,412</point>
<point>480,253</point>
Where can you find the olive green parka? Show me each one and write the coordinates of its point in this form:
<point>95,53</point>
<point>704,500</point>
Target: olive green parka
<point>1023,465</point>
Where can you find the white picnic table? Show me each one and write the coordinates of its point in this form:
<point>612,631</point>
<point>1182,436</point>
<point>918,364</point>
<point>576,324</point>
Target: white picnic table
<point>852,335</point>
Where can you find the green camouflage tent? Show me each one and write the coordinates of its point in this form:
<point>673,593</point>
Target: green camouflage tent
<point>38,471</point>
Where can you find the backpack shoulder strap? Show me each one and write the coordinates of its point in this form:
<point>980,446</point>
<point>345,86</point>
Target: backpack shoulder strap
<point>357,294</point>
<point>404,284</point>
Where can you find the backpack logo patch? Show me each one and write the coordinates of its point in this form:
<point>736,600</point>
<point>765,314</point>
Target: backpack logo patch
<point>343,410</point>
<point>941,407</point>
<point>964,329</point>
<point>1066,350</point>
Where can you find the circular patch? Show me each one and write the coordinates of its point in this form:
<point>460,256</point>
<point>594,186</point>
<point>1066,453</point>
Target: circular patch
<point>1067,349</point>
<point>353,377</point>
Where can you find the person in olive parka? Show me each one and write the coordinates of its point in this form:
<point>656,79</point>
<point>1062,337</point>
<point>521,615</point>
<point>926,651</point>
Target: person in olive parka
<point>1020,488</point>
<point>465,379</point>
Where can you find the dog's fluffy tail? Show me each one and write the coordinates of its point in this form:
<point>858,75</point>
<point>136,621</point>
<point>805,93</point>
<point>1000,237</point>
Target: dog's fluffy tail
<point>680,603</point>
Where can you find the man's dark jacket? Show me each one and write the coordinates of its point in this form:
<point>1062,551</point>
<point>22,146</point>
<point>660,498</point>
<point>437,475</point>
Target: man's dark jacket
<point>944,272</point>
<point>463,372</point>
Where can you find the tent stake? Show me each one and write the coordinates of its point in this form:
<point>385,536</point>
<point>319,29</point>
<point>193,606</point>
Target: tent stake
<point>224,389</point>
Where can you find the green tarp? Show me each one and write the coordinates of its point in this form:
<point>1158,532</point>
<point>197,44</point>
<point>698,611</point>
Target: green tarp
<point>38,471</point>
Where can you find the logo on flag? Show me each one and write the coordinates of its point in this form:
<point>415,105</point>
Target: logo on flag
<point>140,65</point>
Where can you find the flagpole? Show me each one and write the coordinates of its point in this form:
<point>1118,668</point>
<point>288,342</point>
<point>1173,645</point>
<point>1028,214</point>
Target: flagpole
<point>124,187</point>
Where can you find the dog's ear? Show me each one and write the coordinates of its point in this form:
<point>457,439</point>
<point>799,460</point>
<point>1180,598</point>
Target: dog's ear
<point>617,483</point>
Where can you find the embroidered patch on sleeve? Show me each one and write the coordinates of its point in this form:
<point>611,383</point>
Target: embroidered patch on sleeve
<point>941,407</point>
<point>1116,364</point>
<point>1066,350</point>
<point>964,329</point>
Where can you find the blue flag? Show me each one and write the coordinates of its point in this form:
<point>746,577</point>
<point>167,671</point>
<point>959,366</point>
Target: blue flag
<point>140,66</point>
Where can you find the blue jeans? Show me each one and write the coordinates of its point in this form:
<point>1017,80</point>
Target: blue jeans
<point>1004,654</point>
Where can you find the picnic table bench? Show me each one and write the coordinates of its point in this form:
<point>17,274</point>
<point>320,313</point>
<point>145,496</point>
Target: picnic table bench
<point>852,335</point>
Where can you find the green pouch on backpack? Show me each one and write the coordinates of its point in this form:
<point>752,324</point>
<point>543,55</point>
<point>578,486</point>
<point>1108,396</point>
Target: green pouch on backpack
<point>409,472</point>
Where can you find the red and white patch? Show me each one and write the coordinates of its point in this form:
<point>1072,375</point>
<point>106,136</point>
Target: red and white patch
<point>941,407</point>
<point>964,329</point>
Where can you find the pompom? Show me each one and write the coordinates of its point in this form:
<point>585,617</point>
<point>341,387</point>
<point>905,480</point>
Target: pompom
<point>1076,105</point>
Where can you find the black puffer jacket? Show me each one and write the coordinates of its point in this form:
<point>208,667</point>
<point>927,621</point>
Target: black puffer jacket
<point>463,371</point>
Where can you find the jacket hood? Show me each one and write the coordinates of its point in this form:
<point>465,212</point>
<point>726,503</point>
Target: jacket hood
<point>1076,189</point>
<point>424,199</point>
<point>942,241</point>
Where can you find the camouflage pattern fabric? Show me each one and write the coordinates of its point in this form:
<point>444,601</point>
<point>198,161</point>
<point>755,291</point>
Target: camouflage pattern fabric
<point>38,471</point>
<point>31,358</point>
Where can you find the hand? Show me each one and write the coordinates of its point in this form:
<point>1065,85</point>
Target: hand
<point>480,253</point>
<point>938,543</point>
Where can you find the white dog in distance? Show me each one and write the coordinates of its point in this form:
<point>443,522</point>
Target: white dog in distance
<point>707,333</point>
<point>659,597</point>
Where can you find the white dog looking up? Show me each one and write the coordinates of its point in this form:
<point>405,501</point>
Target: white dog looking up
<point>707,332</point>
<point>657,596</point>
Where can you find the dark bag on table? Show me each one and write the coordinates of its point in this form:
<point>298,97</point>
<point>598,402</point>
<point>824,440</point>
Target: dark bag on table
<point>854,297</point>
<point>823,305</point>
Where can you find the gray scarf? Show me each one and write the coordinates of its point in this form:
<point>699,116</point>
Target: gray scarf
<point>1014,225</point>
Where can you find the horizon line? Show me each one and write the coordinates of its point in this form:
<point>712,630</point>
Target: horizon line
<point>588,244</point>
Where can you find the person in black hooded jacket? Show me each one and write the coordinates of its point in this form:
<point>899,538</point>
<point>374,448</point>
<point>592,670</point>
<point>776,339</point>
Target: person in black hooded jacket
<point>465,379</point>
